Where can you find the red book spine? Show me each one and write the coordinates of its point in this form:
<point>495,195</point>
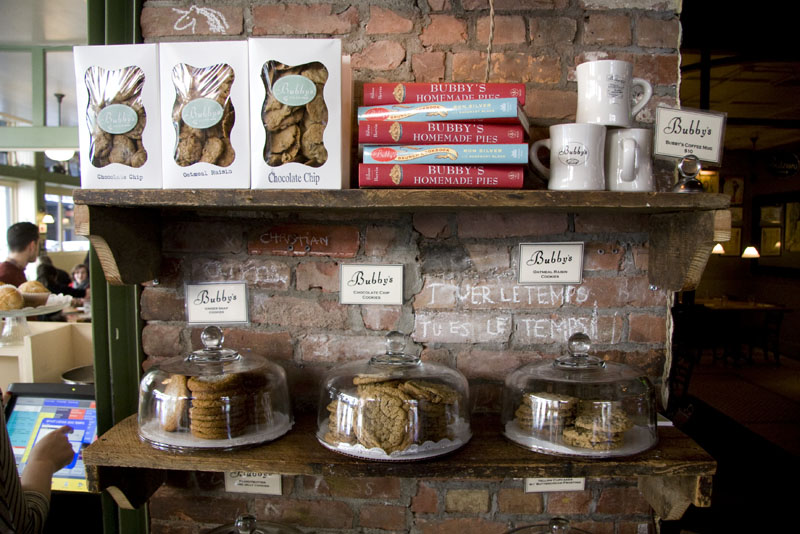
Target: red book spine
<point>441,176</point>
<point>434,133</point>
<point>415,93</point>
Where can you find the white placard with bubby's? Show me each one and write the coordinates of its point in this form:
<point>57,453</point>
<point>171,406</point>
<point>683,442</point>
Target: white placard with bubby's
<point>681,132</point>
<point>216,303</point>
<point>370,284</point>
<point>550,263</point>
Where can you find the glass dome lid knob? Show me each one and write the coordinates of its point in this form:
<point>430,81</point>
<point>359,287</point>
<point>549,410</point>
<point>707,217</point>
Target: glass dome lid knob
<point>212,337</point>
<point>245,524</point>
<point>578,347</point>
<point>212,351</point>
<point>395,351</point>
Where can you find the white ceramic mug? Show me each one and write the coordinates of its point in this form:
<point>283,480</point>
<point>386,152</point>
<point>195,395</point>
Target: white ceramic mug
<point>605,93</point>
<point>629,162</point>
<point>576,157</point>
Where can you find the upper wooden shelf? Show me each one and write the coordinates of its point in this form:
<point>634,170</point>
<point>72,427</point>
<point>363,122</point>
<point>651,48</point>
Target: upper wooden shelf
<point>119,462</point>
<point>403,200</point>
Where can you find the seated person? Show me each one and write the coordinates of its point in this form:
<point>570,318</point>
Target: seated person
<point>80,277</point>
<point>62,277</point>
<point>48,275</point>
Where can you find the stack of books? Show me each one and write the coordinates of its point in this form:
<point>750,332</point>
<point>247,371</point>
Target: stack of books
<point>443,135</point>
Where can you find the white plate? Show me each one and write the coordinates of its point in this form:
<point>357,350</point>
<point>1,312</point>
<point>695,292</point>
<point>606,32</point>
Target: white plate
<point>54,303</point>
<point>152,433</point>
<point>635,441</point>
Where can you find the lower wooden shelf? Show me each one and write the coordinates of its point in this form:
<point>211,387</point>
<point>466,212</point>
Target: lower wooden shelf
<point>674,474</point>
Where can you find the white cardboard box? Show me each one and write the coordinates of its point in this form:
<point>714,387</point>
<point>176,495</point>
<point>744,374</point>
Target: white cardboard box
<point>193,75</point>
<point>106,76</point>
<point>297,91</point>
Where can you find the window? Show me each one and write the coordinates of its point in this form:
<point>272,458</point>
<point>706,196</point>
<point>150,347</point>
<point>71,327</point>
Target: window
<point>61,235</point>
<point>8,210</point>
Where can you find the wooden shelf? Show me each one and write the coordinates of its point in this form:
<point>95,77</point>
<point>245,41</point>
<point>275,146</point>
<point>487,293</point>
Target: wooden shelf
<point>131,470</point>
<point>124,225</point>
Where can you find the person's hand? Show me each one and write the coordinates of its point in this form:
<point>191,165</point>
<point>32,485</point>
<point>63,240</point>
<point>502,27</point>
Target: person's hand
<point>53,451</point>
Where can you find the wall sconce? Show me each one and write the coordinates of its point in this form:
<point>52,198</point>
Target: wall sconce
<point>48,219</point>
<point>750,253</point>
<point>718,249</point>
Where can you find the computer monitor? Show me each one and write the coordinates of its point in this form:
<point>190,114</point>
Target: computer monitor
<point>34,410</point>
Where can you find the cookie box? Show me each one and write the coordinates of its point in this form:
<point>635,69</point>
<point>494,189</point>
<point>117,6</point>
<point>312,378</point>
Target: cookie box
<point>215,398</point>
<point>580,405</point>
<point>300,95</point>
<point>205,115</point>
<point>394,407</point>
<point>117,88</point>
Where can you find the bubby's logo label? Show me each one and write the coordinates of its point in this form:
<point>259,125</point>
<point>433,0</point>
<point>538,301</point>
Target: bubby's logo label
<point>384,154</point>
<point>202,113</point>
<point>294,90</point>
<point>117,119</point>
<point>573,154</point>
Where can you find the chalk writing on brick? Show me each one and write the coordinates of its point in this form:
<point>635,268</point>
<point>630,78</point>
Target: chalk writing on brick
<point>188,19</point>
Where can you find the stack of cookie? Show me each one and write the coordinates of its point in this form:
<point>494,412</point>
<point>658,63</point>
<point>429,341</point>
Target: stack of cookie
<point>546,414</point>
<point>218,406</point>
<point>600,425</point>
<point>391,414</point>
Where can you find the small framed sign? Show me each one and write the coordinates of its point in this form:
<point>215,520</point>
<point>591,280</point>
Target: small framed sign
<point>370,284</point>
<point>216,303</point>
<point>550,263</point>
<point>684,131</point>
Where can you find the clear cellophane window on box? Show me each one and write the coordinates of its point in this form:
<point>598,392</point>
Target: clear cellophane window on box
<point>116,116</point>
<point>294,113</point>
<point>203,114</point>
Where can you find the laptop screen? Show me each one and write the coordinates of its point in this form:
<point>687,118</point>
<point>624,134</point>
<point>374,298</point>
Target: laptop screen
<point>38,409</point>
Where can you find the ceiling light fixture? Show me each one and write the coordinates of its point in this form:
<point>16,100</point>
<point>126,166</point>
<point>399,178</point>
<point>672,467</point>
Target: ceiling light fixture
<point>718,249</point>
<point>750,253</point>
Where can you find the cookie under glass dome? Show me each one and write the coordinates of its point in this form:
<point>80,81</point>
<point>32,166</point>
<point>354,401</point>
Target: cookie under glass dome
<point>215,398</point>
<point>394,407</point>
<point>580,405</point>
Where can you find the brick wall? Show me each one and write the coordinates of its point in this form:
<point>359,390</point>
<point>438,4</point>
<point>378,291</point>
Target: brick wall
<point>462,304</point>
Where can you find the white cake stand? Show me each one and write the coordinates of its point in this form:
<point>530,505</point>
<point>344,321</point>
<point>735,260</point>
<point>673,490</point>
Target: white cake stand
<point>16,323</point>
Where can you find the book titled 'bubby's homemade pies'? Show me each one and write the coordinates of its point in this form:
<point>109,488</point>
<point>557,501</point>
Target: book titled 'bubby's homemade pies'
<point>118,116</point>
<point>205,119</point>
<point>299,100</point>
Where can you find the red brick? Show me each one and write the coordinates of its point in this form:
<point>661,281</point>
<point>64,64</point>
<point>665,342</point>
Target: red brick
<point>373,488</point>
<point>334,349</point>
<point>553,31</point>
<point>607,30</point>
<point>589,223</point>
<point>272,345</point>
<point>507,30</point>
<point>426,501</point>
<point>470,66</point>
<point>293,311</point>
<point>645,328</point>
<point>383,20</point>
<point>214,19</point>
<point>381,317</point>
<point>322,275</point>
<point>558,327</point>
<point>441,356</point>
<point>312,514</point>
<point>428,66</point>
<point>506,67</point>
<point>436,294</point>
<point>439,5</point>
<point>170,527</point>
<point>459,526</point>
<point>432,225</point>
<point>659,69</point>
<point>632,527</point>
<point>490,225</point>
<point>651,362</point>
<point>380,240</point>
<point>595,527</point>
<point>383,55</point>
<point>467,501</point>
<point>488,364</point>
<point>160,340</point>
<point>218,237</point>
<point>162,305</point>
<point>488,257</point>
<point>295,19</point>
<point>551,104</point>
<point>658,33</point>
<point>444,30</point>
<point>511,5</point>
<point>648,114</point>
<point>257,272</point>
<point>622,501</point>
<point>305,240</point>
<point>641,255</point>
<point>179,504</point>
<point>502,292</point>
<point>486,397</point>
<point>622,291</point>
<point>569,502</point>
<point>603,256</point>
<point>451,327</point>
<point>170,275</point>
<point>516,501</point>
<point>382,516</point>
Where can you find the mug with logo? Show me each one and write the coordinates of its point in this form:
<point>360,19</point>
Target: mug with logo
<point>629,165</point>
<point>576,157</point>
<point>605,93</point>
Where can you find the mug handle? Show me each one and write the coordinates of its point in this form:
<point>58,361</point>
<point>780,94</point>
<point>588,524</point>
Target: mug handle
<point>628,157</point>
<point>537,163</point>
<point>647,93</point>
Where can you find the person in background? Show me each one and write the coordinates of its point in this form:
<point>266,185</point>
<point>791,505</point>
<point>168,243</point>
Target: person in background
<point>80,276</point>
<point>62,277</point>
<point>23,247</point>
<point>48,275</point>
<point>25,501</point>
